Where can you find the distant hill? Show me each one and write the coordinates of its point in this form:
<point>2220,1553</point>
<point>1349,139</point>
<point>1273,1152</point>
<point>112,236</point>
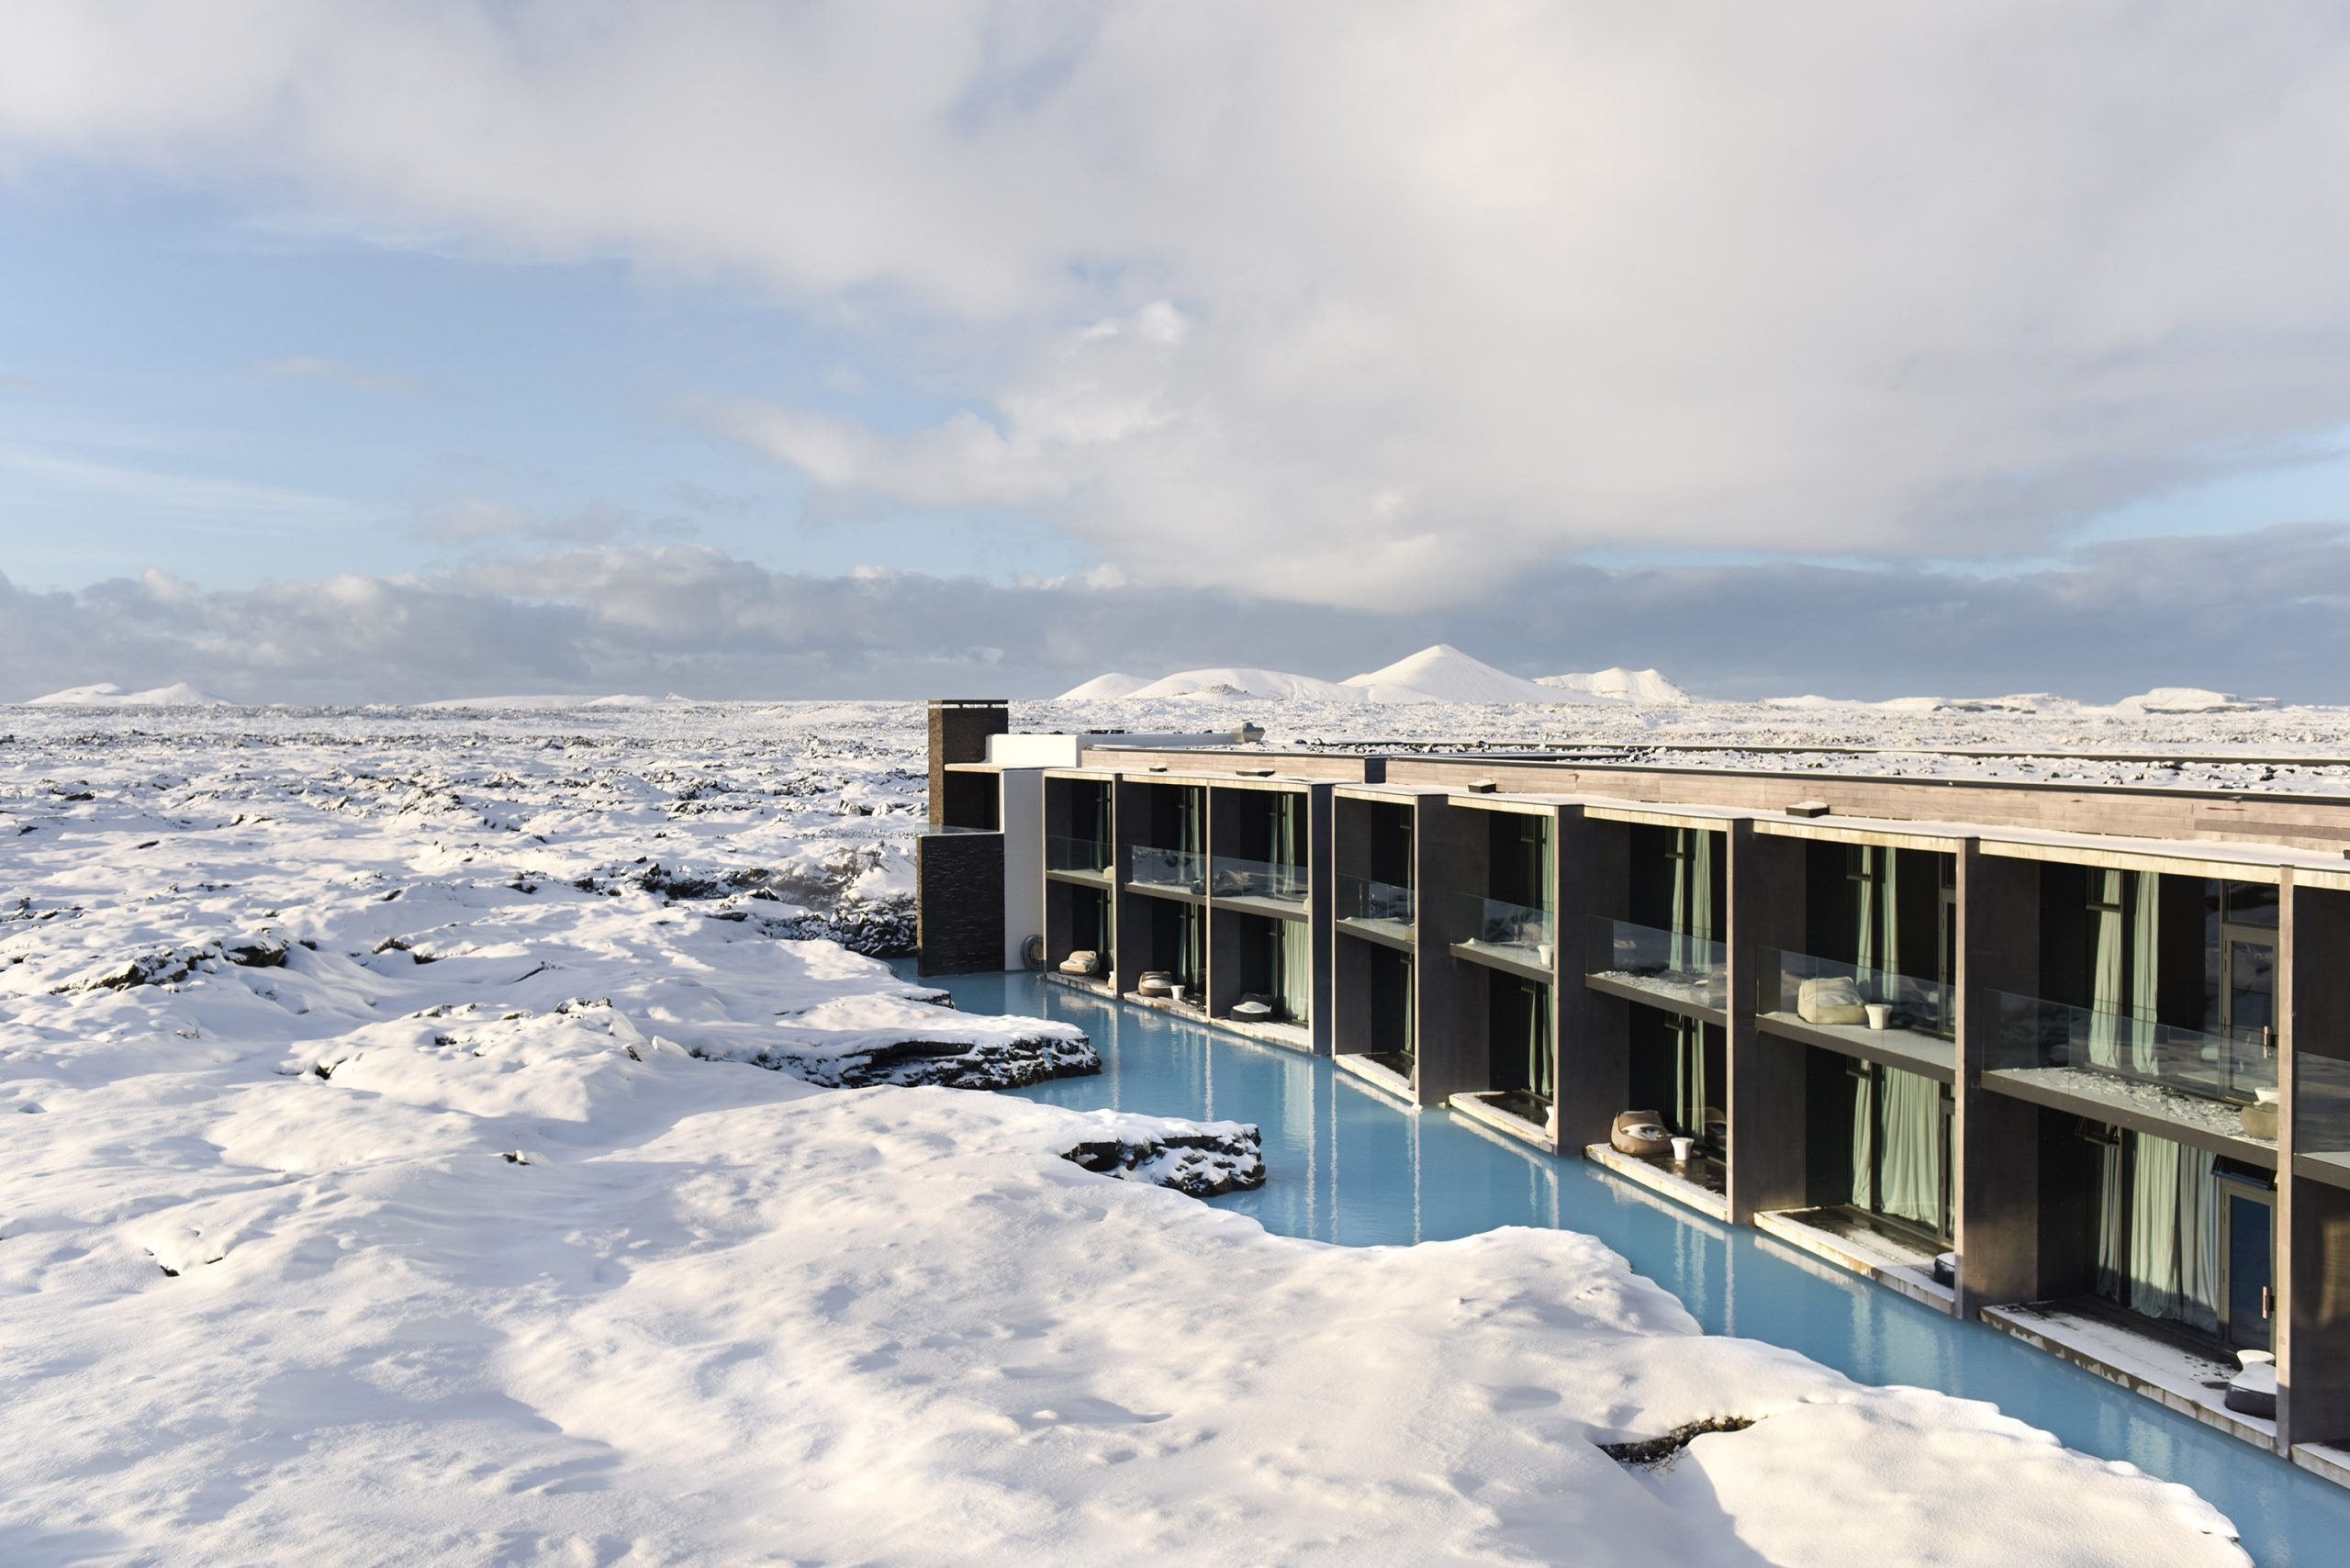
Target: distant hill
<point>106,694</point>
<point>2192,700</point>
<point>1641,686</point>
<point>1223,681</point>
<point>1439,673</point>
<point>2161,700</point>
<point>541,703</point>
<point>1445,674</point>
<point>1104,688</point>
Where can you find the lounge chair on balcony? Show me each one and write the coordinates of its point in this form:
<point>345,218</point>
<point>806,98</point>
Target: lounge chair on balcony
<point>1084,961</point>
<point>1156,982</point>
<point>1640,1133</point>
<point>1831,999</point>
<point>1256,1008</point>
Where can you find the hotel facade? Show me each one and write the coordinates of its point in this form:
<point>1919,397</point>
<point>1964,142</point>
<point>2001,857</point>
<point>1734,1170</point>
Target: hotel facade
<point>2073,1060</point>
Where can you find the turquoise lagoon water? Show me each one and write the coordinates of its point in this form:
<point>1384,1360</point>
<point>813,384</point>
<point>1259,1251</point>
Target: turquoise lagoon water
<point>1349,1166</point>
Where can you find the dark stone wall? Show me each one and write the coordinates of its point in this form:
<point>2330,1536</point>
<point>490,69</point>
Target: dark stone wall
<point>958,733</point>
<point>959,882</point>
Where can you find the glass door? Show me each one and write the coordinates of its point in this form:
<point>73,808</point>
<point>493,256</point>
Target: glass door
<point>2248,1245</point>
<point>2247,998</point>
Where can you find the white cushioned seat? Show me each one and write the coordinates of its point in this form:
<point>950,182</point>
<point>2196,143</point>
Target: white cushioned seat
<point>1831,999</point>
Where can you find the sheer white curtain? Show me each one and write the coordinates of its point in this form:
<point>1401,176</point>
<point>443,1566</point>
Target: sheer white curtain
<point>2175,1234</point>
<point>1191,967</point>
<point>2158,1229</point>
<point>2145,931</point>
<point>1910,1171</point>
<point>1693,900</point>
<point>2112,1219</point>
<point>1865,1139</point>
<point>1876,956</point>
<point>2107,1002</point>
<point>1537,1040</point>
<point>1689,1077</point>
<point>1296,961</point>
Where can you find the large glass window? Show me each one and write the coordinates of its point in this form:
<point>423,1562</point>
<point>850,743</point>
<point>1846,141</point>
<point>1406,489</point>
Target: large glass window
<point>2184,1235</point>
<point>1901,1147</point>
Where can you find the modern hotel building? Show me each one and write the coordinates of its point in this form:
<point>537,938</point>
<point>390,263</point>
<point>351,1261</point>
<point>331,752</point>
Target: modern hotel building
<point>2071,1059</point>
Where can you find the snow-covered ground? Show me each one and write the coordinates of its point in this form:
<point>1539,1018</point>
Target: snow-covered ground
<point>385,1176</point>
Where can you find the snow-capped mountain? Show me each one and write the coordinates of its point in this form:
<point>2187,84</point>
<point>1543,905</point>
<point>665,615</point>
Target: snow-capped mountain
<point>1641,686</point>
<point>1445,674</point>
<point>1439,674</point>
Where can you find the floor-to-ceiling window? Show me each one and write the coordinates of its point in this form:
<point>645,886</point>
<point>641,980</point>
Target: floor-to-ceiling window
<point>1292,960</point>
<point>2184,1235</point>
<point>1680,1070</point>
<point>1518,1024</point>
<point>1901,1147</point>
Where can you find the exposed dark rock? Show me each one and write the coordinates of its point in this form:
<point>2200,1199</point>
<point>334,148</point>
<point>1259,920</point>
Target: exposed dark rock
<point>1653,1453</point>
<point>122,977</point>
<point>949,1064</point>
<point>255,953</point>
<point>1203,1159</point>
<point>880,929</point>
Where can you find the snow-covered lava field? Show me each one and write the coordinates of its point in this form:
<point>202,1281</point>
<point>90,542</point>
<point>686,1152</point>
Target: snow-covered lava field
<point>414,1147</point>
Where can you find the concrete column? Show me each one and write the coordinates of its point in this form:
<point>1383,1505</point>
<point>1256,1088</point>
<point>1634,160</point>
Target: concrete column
<point>1996,1166</point>
<point>1595,1047</point>
<point>1321,903</point>
<point>2312,1318</point>
<point>1450,857</point>
<point>1768,1160</point>
<point>1434,1005</point>
<point>1125,816</point>
<point>1022,815</point>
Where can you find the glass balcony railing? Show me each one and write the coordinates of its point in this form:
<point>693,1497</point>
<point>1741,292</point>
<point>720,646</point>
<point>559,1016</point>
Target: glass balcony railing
<point>1512,930</point>
<point>1822,990</point>
<point>2322,1108</point>
<point>1278,880</point>
<point>1086,857</point>
<point>2031,1035</point>
<point>1374,902</point>
<point>1181,870</point>
<point>1672,964</point>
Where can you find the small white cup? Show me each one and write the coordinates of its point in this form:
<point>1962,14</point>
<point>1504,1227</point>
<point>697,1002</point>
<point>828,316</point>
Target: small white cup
<point>1880,1014</point>
<point>1682,1148</point>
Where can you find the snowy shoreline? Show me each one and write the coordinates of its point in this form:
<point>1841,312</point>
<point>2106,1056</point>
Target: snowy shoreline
<point>440,1227</point>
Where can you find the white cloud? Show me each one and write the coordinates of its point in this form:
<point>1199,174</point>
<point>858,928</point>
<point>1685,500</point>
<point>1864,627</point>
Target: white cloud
<point>1450,294</point>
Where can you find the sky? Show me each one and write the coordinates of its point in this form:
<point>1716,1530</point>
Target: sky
<point>417,350</point>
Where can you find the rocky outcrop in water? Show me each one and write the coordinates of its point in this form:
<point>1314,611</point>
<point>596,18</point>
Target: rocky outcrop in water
<point>1203,1159</point>
<point>1012,1063</point>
